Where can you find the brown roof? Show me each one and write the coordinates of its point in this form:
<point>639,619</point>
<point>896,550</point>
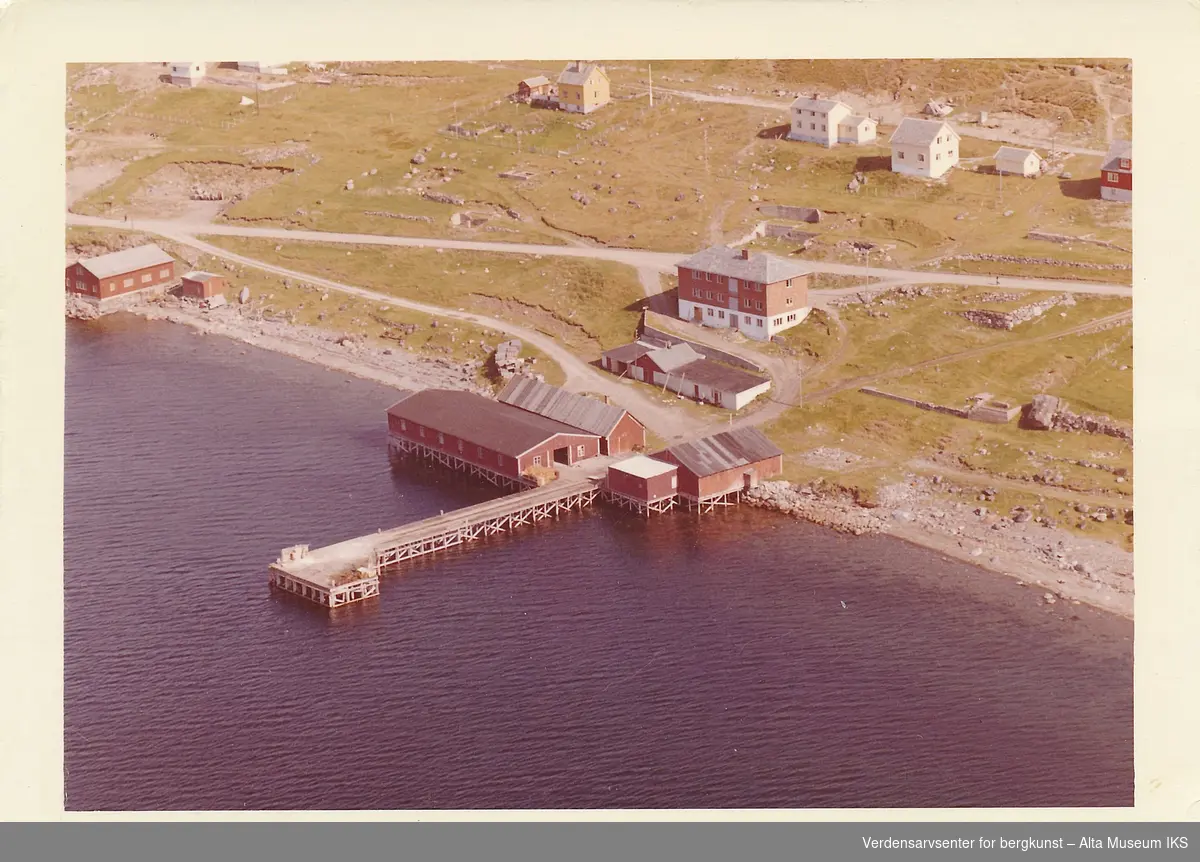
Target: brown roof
<point>628,352</point>
<point>724,378</point>
<point>724,451</point>
<point>478,420</point>
<point>578,411</point>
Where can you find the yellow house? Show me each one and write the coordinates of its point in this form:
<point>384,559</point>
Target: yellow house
<point>582,87</point>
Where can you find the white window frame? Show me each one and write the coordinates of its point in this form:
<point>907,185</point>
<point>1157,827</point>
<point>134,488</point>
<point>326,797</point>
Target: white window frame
<point>580,450</point>
<point>127,282</point>
<point>164,273</point>
<point>441,439</point>
<point>147,277</point>
<point>403,425</point>
<point>537,460</point>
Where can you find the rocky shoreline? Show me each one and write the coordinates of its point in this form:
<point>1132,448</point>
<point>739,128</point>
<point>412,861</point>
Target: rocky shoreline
<point>1062,566</point>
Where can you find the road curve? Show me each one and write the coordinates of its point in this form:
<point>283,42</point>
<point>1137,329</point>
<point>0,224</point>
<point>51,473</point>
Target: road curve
<point>664,421</point>
<point>642,260</point>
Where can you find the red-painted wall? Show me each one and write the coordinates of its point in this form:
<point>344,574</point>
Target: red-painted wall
<point>725,481</point>
<point>628,434</point>
<point>1124,180</point>
<point>648,490</point>
<point>115,285</point>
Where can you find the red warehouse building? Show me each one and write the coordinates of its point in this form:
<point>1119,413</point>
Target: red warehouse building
<point>120,273</point>
<point>477,434</point>
<point>618,430</point>
<point>712,468</point>
<point>642,483</point>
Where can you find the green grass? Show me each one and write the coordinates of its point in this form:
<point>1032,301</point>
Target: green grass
<point>590,306</point>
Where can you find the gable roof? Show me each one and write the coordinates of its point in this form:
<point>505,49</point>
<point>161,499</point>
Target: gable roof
<point>129,260</point>
<point>721,377</point>
<point>628,352</point>
<point>536,81</point>
<point>823,105</point>
<point>723,451</point>
<point>577,74</point>
<point>478,420</point>
<point>1014,153</point>
<point>857,120</point>
<point>760,266</point>
<point>1116,151</point>
<point>919,133</point>
<point>578,411</point>
<point>669,359</point>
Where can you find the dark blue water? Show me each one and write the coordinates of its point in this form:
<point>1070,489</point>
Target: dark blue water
<point>601,661</point>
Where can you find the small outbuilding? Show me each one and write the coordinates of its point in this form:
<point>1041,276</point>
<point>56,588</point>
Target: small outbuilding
<point>1018,161</point>
<point>187,73</point>
<point>202,285</point>
<point>642,484</point>
<point>535,88</point>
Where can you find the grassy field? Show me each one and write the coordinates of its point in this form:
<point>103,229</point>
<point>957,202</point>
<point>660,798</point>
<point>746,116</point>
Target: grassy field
<point>684,166</point>
<point>589,306</point>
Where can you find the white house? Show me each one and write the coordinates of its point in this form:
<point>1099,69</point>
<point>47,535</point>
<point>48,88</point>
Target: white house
<point>263,67</point>
<point>816,120</point>
<point>924,148</point>
<point>856,129</point>
<point>1015,160</point>
<point>187,73</point>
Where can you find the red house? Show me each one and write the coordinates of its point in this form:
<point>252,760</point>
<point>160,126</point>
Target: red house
<point>1116,173</point>
<point>712,468</point>
<point>120,273</point>
<point>756,293</point>
<point>618,430</point>
<point>471,432</point>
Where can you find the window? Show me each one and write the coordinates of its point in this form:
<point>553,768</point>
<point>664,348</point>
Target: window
<point>920,157</point>
<point>696,292</point>
<point>149,276</point>
<point>759,321</point>
<point>791,317</point>
<point>441,438</point>
<point>537,460</point>
<point>745,302</point>
<point>708,294</point>
<point>1124,164</point>
<point>758,305</point>
<point>128,282</point>
<point>478,451</point>
<point>708,311</point>
<point>937,157</point>
<point>164,273</point>
<point>1112,177</point>
<point>721,315</point>
<point>421,431</point>
<point>900,154</point>
<point>790,301</point>
<point>812,126</point>
<point>779,321</point>
<point>112,285</point>
<point>79,285</point>
<point>939,140</point>
<point>822,127</point>
<point>403,425</point>
<point>579,450</point>
<point>789,282</point>
<point>674,480</point>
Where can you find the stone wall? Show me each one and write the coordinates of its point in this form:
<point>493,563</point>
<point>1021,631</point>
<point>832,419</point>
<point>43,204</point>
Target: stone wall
<point>805,214</point>
<point>913,402</point>
<point>1043,261</point>
<point>1063,238</point>
<point>1010,319</point>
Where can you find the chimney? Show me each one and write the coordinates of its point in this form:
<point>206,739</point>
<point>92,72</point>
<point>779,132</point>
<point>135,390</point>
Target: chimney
<point>745,254</point>
<point>606,399</point>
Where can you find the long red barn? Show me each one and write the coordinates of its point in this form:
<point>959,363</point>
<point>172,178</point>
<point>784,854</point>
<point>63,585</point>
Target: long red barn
<point>723,463</point>
<point>119,273</point>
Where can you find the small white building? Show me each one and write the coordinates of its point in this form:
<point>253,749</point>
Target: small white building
<point>1019,161</point>
<point>924,148</point>
<point>816,120</point>
<point>857,129</point>
<point>187,73</point>
<point>263,67</point>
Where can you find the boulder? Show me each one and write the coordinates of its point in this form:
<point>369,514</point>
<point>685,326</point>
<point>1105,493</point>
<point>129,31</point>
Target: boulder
<point>244,295</point>
<point>1041,412</point>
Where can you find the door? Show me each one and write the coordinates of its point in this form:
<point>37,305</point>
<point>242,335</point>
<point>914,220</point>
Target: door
<point>733,321</point>
<point>749,480</point>
<point>697,314</point>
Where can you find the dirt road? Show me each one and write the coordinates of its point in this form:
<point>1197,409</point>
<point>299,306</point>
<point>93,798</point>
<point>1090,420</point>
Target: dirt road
<point>649,260</point>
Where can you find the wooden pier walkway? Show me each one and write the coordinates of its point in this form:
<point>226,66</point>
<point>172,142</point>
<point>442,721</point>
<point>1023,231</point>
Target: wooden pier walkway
<point>349,571</point>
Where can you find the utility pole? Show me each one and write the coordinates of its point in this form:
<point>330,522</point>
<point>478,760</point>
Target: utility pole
<point>1001,189</point>
<point>706,149</point>
<point>650,75</point>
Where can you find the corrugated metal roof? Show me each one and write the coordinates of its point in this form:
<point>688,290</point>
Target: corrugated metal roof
<point>761,266</point>
<point>670,359</point>
<point>920,133</point>
<point>1017,154</point>
<point>627,352</point>
<point>478,420</point>
<point>129,260</point>
<point>640,465</point>
<point>536,81</point>
<point>805,103</point>
<point>578,411</point>
<point>1117,150</point>
<point>724,451</point>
